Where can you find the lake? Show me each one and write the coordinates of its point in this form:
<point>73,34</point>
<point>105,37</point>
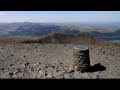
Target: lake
<point>109,38</point>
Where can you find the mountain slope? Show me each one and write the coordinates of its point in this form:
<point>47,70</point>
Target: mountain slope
<point>28,29</point>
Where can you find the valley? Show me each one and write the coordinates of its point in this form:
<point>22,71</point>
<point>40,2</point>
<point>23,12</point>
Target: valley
<point>110,31</point>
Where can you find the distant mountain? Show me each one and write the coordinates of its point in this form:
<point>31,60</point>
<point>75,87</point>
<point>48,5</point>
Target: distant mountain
<point>31,29</point>
<point>41,29</point>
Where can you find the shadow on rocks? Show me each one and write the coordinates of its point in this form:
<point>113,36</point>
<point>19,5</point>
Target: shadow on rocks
<point>95,68</point>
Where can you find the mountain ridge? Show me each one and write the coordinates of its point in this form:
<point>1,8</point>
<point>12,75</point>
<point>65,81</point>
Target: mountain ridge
<point>40,29</point>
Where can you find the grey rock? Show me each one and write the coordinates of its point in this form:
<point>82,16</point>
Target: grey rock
<point>41,74</point>
<point>67,76</point>
<point>54,61</point>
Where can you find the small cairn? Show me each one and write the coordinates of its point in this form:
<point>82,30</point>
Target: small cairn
<point>80,58</point>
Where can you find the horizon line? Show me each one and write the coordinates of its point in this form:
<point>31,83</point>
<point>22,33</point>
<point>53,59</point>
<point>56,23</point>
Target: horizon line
<point>63,22</point>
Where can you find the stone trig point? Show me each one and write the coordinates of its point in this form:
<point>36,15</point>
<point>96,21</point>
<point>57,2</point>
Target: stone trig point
<point>80,58</point>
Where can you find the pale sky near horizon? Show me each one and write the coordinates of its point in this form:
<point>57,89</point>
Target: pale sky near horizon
<point>59,16</point>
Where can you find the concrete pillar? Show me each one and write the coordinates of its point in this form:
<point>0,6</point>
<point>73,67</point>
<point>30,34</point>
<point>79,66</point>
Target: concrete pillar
<point>80,58</point>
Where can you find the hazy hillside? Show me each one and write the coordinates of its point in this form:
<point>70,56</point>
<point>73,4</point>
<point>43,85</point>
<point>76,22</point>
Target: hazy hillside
<point>62,38</point>
<point>28,29</point>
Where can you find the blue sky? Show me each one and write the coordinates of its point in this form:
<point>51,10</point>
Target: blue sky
<point>59,16</point>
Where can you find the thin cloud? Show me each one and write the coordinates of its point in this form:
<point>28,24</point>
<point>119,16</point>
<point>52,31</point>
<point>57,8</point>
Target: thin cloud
<point>3,13</point>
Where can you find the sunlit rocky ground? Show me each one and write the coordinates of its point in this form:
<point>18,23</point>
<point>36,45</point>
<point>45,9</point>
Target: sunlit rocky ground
<point>44,61</point>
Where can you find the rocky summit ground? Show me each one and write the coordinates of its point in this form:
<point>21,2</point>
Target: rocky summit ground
<point>46,61</point>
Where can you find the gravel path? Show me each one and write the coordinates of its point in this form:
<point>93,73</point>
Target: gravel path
<point>52,61</point>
